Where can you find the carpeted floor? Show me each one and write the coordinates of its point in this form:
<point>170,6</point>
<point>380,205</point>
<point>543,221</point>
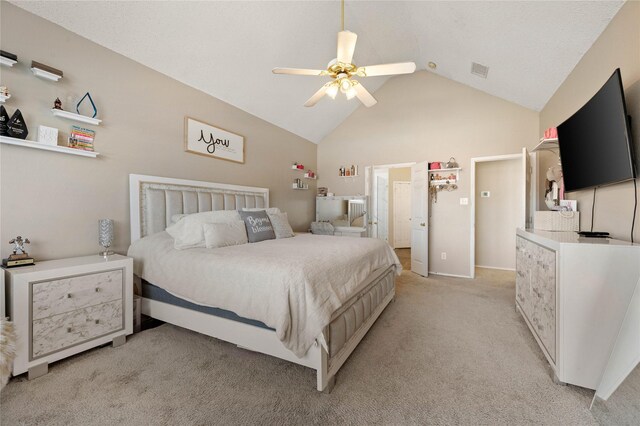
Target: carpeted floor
<point>447,351</point>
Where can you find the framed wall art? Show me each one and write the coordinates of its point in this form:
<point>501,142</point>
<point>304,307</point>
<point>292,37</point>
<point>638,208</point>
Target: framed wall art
<point>204,139</point>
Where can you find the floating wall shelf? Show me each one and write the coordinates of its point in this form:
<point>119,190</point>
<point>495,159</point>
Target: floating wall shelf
<point>456,169</point>
<point>547,145</point>
<point>75,117</point>
<point>45,74</point>
<point>8,62</point>
<point>295,186</point>
<point>37,145</point>
<point>4,98</point>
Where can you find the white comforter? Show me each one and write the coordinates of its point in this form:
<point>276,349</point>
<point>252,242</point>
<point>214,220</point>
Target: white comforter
<point>293,285</point>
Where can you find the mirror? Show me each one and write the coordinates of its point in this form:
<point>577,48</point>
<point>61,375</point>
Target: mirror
<point>344,211</point>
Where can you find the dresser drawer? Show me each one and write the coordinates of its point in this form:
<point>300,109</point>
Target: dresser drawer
<point>69,294</point>
<point>71,328</point>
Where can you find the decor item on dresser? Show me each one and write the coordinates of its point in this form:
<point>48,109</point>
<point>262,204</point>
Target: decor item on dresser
<point>105,236</point>
<point>48,135</point>
<point>228,294</point>
<point>45,71</point>
<point>7,347</point>
<point>322,191</point>
<point>17,128</point>
<point>19,257</point>
<point>573,294</point>
<point>205,139</point>
<point>62,307</point>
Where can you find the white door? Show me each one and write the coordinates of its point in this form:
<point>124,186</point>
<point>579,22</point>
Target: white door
<point>527,220</point>
<point>370,193</point>
<point>419,219</point>
<point>382,208</point>
<point>401,214</point>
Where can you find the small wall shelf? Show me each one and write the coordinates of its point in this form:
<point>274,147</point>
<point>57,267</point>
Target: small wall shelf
<point>448,176</point>
<point>57,148</point>
<point>456,169</point>
<point>295,186</point>
<point>547,145</point>
<point>295,167</point>
<point>4,98</point>
<point>8,62</point>
<point>75,117</point>
<point>45,74</point>
<point>306,176</point>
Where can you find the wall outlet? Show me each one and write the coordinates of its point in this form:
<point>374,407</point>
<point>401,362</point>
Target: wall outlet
<point>443,255</point>
<point>485,194</point>
<point>464,201</point>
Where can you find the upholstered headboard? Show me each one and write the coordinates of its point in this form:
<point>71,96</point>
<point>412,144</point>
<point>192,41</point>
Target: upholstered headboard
<point>153,200</point>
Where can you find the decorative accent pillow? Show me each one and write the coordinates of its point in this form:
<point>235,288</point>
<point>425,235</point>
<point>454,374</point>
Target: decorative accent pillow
<point>188,232</point>
<point>280,223</point>
<point>225,234</point>
<point>258,226</point>
<point>269,210</point>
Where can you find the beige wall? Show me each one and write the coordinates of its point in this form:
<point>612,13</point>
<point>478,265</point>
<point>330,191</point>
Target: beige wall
<point>56,199</point>
<point>427,117</point>
<point>400,174</point>
<point>618,46</point>
<point>498,215</point>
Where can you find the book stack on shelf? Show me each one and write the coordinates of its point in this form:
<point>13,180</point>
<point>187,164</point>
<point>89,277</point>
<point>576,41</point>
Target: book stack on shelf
<point>81,138</point>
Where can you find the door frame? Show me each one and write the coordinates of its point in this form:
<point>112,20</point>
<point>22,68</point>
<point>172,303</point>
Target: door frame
<point>370,187</point>
<point>394,211</point>
<point>472,202</point>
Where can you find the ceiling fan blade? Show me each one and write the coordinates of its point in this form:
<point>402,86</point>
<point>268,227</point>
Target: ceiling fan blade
<point>363,94</point>
<point>386,69</point>
<point>316,96</point>
<point>298,71</point>
<point>346,46</point>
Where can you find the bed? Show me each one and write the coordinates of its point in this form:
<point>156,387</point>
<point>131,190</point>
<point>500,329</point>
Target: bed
<point>308,299</point>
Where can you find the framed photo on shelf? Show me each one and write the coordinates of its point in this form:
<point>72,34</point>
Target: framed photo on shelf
<point>205,139</point>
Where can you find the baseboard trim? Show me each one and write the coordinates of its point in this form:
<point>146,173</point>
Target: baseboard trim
<point>449,275</point>
<point>495,267</point>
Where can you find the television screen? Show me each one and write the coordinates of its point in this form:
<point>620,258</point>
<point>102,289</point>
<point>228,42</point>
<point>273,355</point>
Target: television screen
<point>595,143</point>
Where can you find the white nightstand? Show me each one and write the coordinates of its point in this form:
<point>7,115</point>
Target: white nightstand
<point>62,307</point>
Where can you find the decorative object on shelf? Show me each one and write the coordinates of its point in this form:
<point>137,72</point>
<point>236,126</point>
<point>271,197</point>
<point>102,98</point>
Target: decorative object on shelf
<point>105,236</point>
<point>310,174</point>
<point>210,141</point>
<point>93,105</point>
<point>551,133</point>
<point>48,135</point>
<point>45,71</point>
<point>435,165</point>
<point>19,257</point>
<point>452,163</point>
<point>57,104</point>
<point>17,128</point>
<point>36,145</point>
<point>81,138</point>
<point>348,171</point>
<point>296,166</point>
<point>4,93</point>
<point>7,58</point>
<point>4,121</point>
<point>298,184</point>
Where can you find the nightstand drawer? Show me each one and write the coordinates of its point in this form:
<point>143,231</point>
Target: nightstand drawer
<point>71,328</point>
<point>69,294</point>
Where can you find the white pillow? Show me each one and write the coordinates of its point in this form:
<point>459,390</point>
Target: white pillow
<point>269,210</point>
<point>176,217</point>
<point>280,224</point>
<point>188,232</point>
<point>225,234</point>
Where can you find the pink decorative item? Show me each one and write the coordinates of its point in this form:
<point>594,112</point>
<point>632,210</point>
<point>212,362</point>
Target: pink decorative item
<point>551,133</point>
<point>435,165</point>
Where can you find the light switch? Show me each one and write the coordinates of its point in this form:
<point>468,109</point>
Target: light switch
<point>464,201</point>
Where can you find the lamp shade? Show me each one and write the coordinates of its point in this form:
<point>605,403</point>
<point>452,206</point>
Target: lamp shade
<point>105,233</point>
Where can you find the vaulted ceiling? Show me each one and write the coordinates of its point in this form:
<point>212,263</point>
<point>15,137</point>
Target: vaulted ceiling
<point>227,49</point>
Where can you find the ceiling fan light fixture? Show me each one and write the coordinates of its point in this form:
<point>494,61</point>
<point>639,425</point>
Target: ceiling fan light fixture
<point>351,93</point>
<point>345,84</point>
<point>332,91</point>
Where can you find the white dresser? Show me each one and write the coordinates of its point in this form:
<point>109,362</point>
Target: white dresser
<point>63,307</point>
<point>573,294</point>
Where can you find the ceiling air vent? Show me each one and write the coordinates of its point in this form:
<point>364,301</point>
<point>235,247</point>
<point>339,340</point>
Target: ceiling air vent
<point>479,70</point>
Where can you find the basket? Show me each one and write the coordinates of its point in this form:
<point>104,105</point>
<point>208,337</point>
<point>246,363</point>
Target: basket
<point>557,221</point>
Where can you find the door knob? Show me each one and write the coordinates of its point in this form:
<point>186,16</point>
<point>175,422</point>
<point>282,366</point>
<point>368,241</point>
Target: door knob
<point>422,224</point>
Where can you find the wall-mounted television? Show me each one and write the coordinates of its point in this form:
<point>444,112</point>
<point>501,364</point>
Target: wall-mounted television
<point>596,147</point>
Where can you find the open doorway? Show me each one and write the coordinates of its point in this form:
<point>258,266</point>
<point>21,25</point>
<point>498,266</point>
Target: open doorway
<point>499,206</point>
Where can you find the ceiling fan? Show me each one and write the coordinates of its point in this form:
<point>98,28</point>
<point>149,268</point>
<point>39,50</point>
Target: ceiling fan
<point>343,71</point>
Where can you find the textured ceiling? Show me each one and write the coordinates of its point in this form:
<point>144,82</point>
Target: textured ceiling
<point>227,49</point>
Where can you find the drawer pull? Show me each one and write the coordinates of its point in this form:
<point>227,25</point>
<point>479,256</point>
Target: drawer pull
<point>97,289</point>
<point>97,321</point>
<point>68,295</point>
<point>69,330</point>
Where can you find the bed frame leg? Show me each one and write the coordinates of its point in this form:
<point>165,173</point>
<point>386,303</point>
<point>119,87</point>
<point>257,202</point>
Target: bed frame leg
<point>325,383</point>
